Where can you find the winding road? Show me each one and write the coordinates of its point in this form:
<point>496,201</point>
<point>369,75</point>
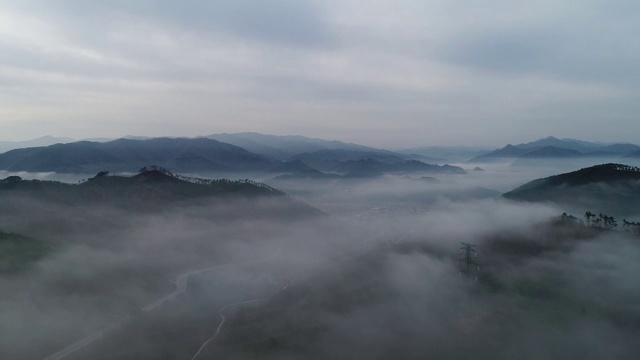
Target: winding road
<point>88,340</point>
<point>221,312</point>
<point>181,283</point>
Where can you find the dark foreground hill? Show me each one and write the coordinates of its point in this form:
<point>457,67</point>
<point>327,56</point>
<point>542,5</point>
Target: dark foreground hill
<point>150,190</point>
<point>607,187</point>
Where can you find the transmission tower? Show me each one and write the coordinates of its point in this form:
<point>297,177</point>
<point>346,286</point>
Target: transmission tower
<point>467,260</point>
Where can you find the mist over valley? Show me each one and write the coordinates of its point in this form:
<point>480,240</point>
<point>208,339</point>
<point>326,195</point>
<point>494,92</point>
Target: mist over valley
<point>319,179</point>
<point>363,261</point>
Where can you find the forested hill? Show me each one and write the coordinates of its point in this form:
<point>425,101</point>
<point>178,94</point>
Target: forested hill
<point>606,173</point>
<point>151,188</point>
<point>610,187</point>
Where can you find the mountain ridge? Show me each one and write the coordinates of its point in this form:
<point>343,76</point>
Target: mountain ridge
<point>151,189</point>
<point>610,187</point>
<point>282,147</point>
<point>204,155</point>
<point>554,148</point>
<point>129,155</point>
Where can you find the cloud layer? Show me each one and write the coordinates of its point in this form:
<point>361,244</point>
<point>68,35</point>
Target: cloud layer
<point>383,73</point>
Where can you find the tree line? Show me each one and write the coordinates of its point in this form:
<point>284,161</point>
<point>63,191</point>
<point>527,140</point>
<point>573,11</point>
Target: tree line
<point>201,181</point>
<point>601,221</point>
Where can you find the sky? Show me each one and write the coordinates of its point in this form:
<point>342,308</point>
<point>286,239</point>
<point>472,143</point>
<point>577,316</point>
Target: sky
<point>395,73</point>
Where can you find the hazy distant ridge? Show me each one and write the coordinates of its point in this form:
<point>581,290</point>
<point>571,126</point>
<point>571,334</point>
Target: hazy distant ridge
<point>554,148</point>
<point>180,154</point>
<point>257,153</point>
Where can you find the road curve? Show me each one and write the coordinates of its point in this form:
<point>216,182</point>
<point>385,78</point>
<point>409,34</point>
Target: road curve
<point>181,286</point>
<point>221,312</point>
<point>86,341</point>
<point>182,280</point>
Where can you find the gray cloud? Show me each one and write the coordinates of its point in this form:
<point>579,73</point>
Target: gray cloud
<point>503,51</point>
<point>582,44</point>
<point>286,22</point>
<point>433,73</point>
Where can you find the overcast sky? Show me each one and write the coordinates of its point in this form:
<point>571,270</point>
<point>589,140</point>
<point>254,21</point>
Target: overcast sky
<point>383,73</point>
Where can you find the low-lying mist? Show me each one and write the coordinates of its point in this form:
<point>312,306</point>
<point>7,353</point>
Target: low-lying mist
<point>580,305</point>
<point>376,278</point>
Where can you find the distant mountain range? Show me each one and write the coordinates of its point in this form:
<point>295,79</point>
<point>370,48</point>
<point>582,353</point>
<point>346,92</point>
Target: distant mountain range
<point>602,188</point>
<point>635,154</point>
<point>52,140</point>
<point>182,155</point>
<point>41,141</point>
<point>353,163</point>
<point>572,144</point>
<point>287,146</point>
<point>281,155</point>
<point>553,148</point>
<point>290,156</point>
<point>445,154</point>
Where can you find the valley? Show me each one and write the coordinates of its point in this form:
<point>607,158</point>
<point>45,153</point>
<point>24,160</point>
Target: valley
<point>158,264</point>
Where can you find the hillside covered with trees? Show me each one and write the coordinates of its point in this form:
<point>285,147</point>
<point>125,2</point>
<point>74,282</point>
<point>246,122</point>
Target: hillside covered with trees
<point>614,188</point>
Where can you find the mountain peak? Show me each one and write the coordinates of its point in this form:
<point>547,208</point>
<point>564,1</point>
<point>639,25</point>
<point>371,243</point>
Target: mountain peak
<point>578,145</point>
